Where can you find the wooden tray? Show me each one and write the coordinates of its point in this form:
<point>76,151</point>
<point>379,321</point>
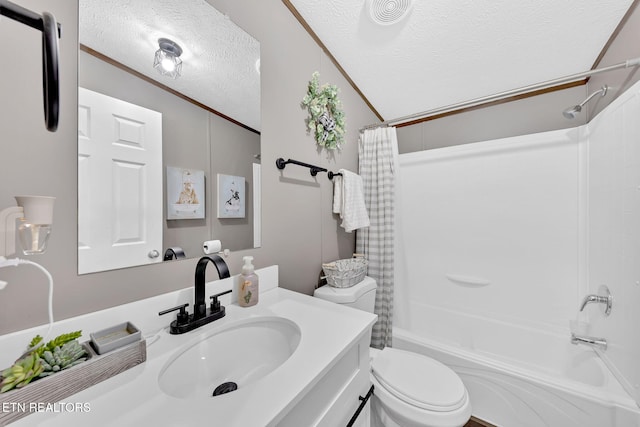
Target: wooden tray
<point>19,403</point>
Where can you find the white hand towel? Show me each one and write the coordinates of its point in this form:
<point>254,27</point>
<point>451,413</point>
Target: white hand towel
<point>337,194</point>
<point>352,208</point>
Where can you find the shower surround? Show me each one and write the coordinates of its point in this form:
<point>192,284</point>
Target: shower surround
<point>497,243</point>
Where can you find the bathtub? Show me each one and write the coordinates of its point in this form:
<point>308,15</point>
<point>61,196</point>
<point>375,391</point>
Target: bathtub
<point>520,376</point>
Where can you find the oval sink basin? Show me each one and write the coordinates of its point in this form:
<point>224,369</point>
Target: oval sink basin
<point>231,358</point>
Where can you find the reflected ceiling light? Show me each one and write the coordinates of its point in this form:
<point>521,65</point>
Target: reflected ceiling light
<point>167,60</point>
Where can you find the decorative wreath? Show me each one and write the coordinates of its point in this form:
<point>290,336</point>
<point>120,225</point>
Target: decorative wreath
<point>326,118</point>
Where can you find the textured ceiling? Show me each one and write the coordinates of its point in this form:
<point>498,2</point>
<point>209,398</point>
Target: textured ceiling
<point>219,58</point>
<point>443,52</point>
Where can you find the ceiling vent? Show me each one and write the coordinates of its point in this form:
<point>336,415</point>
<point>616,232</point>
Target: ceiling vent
<point>388,12</point>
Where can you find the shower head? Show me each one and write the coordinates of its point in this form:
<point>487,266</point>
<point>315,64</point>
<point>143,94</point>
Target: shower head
<point>573,111</point>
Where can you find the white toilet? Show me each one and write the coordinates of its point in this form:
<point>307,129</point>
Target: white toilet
<point>410,390</point>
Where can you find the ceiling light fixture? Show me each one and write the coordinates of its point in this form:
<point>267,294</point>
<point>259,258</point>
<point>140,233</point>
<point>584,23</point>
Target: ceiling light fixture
<point>387,12</point>
<point>167,59</point>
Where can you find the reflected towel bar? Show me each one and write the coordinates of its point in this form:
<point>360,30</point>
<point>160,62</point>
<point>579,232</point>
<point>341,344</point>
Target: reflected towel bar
<point>281,163</point>
<point>174,252</point>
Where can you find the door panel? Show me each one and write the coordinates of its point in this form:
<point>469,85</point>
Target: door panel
<point>119,183</point>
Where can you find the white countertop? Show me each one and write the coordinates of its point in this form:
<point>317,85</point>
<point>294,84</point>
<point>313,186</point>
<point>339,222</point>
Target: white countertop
<point>134,397</point>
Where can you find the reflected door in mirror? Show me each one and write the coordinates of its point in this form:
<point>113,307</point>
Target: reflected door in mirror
<point>120,183</point>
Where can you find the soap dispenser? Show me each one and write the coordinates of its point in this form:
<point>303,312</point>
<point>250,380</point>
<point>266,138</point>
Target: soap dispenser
<point>248,292</point>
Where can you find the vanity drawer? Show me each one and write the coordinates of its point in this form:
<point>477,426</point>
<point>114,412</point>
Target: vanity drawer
<point>334,398</point>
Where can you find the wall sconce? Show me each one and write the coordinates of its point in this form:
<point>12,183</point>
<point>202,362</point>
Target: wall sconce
<point>167,59</point>
<point>36,215</point>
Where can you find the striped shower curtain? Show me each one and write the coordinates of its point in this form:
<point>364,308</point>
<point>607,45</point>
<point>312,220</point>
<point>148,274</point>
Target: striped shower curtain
<point>378,159</point>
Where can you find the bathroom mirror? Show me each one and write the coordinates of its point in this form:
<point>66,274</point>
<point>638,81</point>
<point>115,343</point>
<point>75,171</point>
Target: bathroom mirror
<point>208,130</point>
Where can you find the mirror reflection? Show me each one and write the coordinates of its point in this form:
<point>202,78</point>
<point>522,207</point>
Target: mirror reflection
<point>166,159</point>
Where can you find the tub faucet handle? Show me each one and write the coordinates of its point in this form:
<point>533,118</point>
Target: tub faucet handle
<point>603,297</point>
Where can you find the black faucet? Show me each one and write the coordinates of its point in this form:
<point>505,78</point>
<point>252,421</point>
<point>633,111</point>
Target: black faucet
<point>201,316</point>
<point>200,308</point>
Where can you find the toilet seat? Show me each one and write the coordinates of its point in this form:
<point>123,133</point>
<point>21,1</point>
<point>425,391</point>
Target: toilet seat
<point>418,380</point>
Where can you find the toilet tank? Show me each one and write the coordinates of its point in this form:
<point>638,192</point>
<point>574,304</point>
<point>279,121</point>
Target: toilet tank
<point>361,295</point>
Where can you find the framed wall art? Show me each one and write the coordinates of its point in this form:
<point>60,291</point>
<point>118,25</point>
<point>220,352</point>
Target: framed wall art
<point>231,196</point>
<point>185,193</point>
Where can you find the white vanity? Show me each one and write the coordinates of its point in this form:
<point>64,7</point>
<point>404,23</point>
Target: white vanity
<point>317,366</point>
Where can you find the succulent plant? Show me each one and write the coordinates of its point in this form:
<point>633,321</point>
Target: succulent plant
<point>60,353</point>
<point>21,373</point>
<point>58,341</point>
<point>70,354</point>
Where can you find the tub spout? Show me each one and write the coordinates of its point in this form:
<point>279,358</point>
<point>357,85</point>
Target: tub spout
<point>600,343</point>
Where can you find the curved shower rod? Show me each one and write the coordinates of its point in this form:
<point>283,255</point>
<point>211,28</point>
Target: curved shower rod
<point>506,94</point>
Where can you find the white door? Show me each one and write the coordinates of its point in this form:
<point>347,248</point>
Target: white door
<point>119,183</point>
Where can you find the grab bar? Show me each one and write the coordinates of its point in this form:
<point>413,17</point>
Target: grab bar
<point>51,31</point>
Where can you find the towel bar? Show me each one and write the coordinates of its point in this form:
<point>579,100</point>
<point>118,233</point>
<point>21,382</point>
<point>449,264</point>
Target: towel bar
<point>51,31</point>
<point>282,163</point>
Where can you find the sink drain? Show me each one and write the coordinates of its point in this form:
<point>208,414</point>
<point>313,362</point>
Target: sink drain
<point>223,388</point>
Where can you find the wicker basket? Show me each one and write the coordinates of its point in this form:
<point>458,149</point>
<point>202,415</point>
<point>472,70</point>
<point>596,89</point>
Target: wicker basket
<point>345,273</point>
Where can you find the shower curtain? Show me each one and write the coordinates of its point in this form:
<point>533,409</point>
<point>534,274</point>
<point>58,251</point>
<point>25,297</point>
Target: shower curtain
<point>378,163</point>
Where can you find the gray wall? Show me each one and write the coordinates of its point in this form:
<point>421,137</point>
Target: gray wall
<point>299,230</point>
<point>624,47</point>
<point>232,151</point>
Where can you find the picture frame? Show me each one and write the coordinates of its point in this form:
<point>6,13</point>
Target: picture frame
<point>231,196</point>
<point>185,193</point>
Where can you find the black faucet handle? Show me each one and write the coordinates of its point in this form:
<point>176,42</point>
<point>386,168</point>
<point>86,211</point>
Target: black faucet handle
<point>182,318</point>
<point>215,304</point>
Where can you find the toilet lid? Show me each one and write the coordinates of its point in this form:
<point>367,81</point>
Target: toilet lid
<point>419,380</point>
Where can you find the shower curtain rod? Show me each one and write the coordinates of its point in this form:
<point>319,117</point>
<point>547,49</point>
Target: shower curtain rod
<point>507,94</point>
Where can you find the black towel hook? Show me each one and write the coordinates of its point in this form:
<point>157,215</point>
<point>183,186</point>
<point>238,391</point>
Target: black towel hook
<point>51,31</point>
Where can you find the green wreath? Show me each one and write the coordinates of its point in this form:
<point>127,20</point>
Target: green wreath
<point>326,118</point>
